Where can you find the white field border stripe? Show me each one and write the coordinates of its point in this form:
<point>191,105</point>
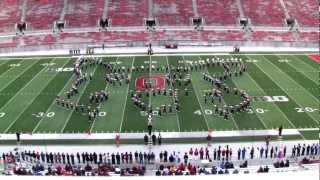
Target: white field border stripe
<point>264,92</point>
<point>265,126</point>
<point>17,75</point>
<point>233,120</point>
<point>107,85</point>
<point>204,116</point>
<point>52,104</point>
<point>290,78</point>
<point>284,90</point>
<point>126,99</point>
<point>177,116</point>
<point>77,101</point>
<point>139,54</point>
<point>194,134</point>
<point>18,116</point>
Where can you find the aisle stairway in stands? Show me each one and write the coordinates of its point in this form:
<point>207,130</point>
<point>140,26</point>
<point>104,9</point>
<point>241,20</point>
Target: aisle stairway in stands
<point>150,9</point>
<point>23,9</point>
<point>64,9</point>
<point>240,8</point>
<point>286,12</point>
<point>105,9</point>
<point>195,8</point>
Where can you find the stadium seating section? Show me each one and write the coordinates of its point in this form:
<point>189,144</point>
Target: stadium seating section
<point>83,13</point>
<point>9,15</point>
<point>218,12</point>
<point>130,13</point>
<point>40,15</point>
<point>305,11</point>
<point>263,12</point>
<point>172,12</point>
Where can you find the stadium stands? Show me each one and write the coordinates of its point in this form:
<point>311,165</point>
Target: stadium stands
<point>272,36</point>
<point>130,13</point>
<point>8,42</point>
<point>218,12</point>
<point>172,12</point>
<point>261,12</point>
<point>41,14</point>
<point>305,11</point>
<point>83,13</point>
<point>143,36</point>
<point>9,15</point>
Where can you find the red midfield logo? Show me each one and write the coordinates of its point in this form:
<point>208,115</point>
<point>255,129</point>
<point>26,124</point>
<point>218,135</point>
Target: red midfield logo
<point>150,82</point>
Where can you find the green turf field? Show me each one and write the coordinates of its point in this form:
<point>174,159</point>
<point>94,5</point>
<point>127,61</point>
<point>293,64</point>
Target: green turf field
<point>28,88</point>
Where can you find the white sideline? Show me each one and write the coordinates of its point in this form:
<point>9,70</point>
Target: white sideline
<point>186,50</point>
<point>195,134</point>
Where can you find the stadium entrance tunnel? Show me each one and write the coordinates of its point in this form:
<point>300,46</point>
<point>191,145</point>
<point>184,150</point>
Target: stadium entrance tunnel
<point>150,82</point>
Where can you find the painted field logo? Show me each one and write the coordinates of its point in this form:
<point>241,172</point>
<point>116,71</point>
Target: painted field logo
<point>150,82</point>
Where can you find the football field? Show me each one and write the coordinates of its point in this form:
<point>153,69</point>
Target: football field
<point>283,88</point>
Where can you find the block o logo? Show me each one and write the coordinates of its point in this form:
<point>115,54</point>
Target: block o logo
<point>150,82</point>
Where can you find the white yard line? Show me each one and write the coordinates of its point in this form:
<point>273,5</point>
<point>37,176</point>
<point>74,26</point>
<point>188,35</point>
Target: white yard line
<point>302,72</point>
<point>16,76</point>
<point>125,103</point>
<point>290,78</point>
<point>284,115</point>
<point>265,126</point>
<point>177,116</point>
<point>77,101</point>
<point>105,89</point>
<point>53,103</point>
<point>233,120</point>
<point>202,109</point>
<point>284,90</point>
<point>18,93</point>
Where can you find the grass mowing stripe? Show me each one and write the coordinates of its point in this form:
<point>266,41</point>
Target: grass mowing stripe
<point>272,118</point>
<point>133,120</point>
<point>288,108</point>
<point>4,66</point>
<point>294,75</point>
<point>188,105</point>
<point>244,120</point>
<point>167,121</point>
<point>115,104</point>
<point>77,121</point>
<point>126,99</point>
<point>101,104</point>
<point>59,120</point>
<point>307,100</point>
<point>51,108</point>
<point>14,73</point>
<point>27,120</point>
<point>177,117</point>
<point>215,121</point>
<point>308,61</point>
<point>305,69</point>
<point>224,98</point>
<point>19,83</point>
<point>20,101</point>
